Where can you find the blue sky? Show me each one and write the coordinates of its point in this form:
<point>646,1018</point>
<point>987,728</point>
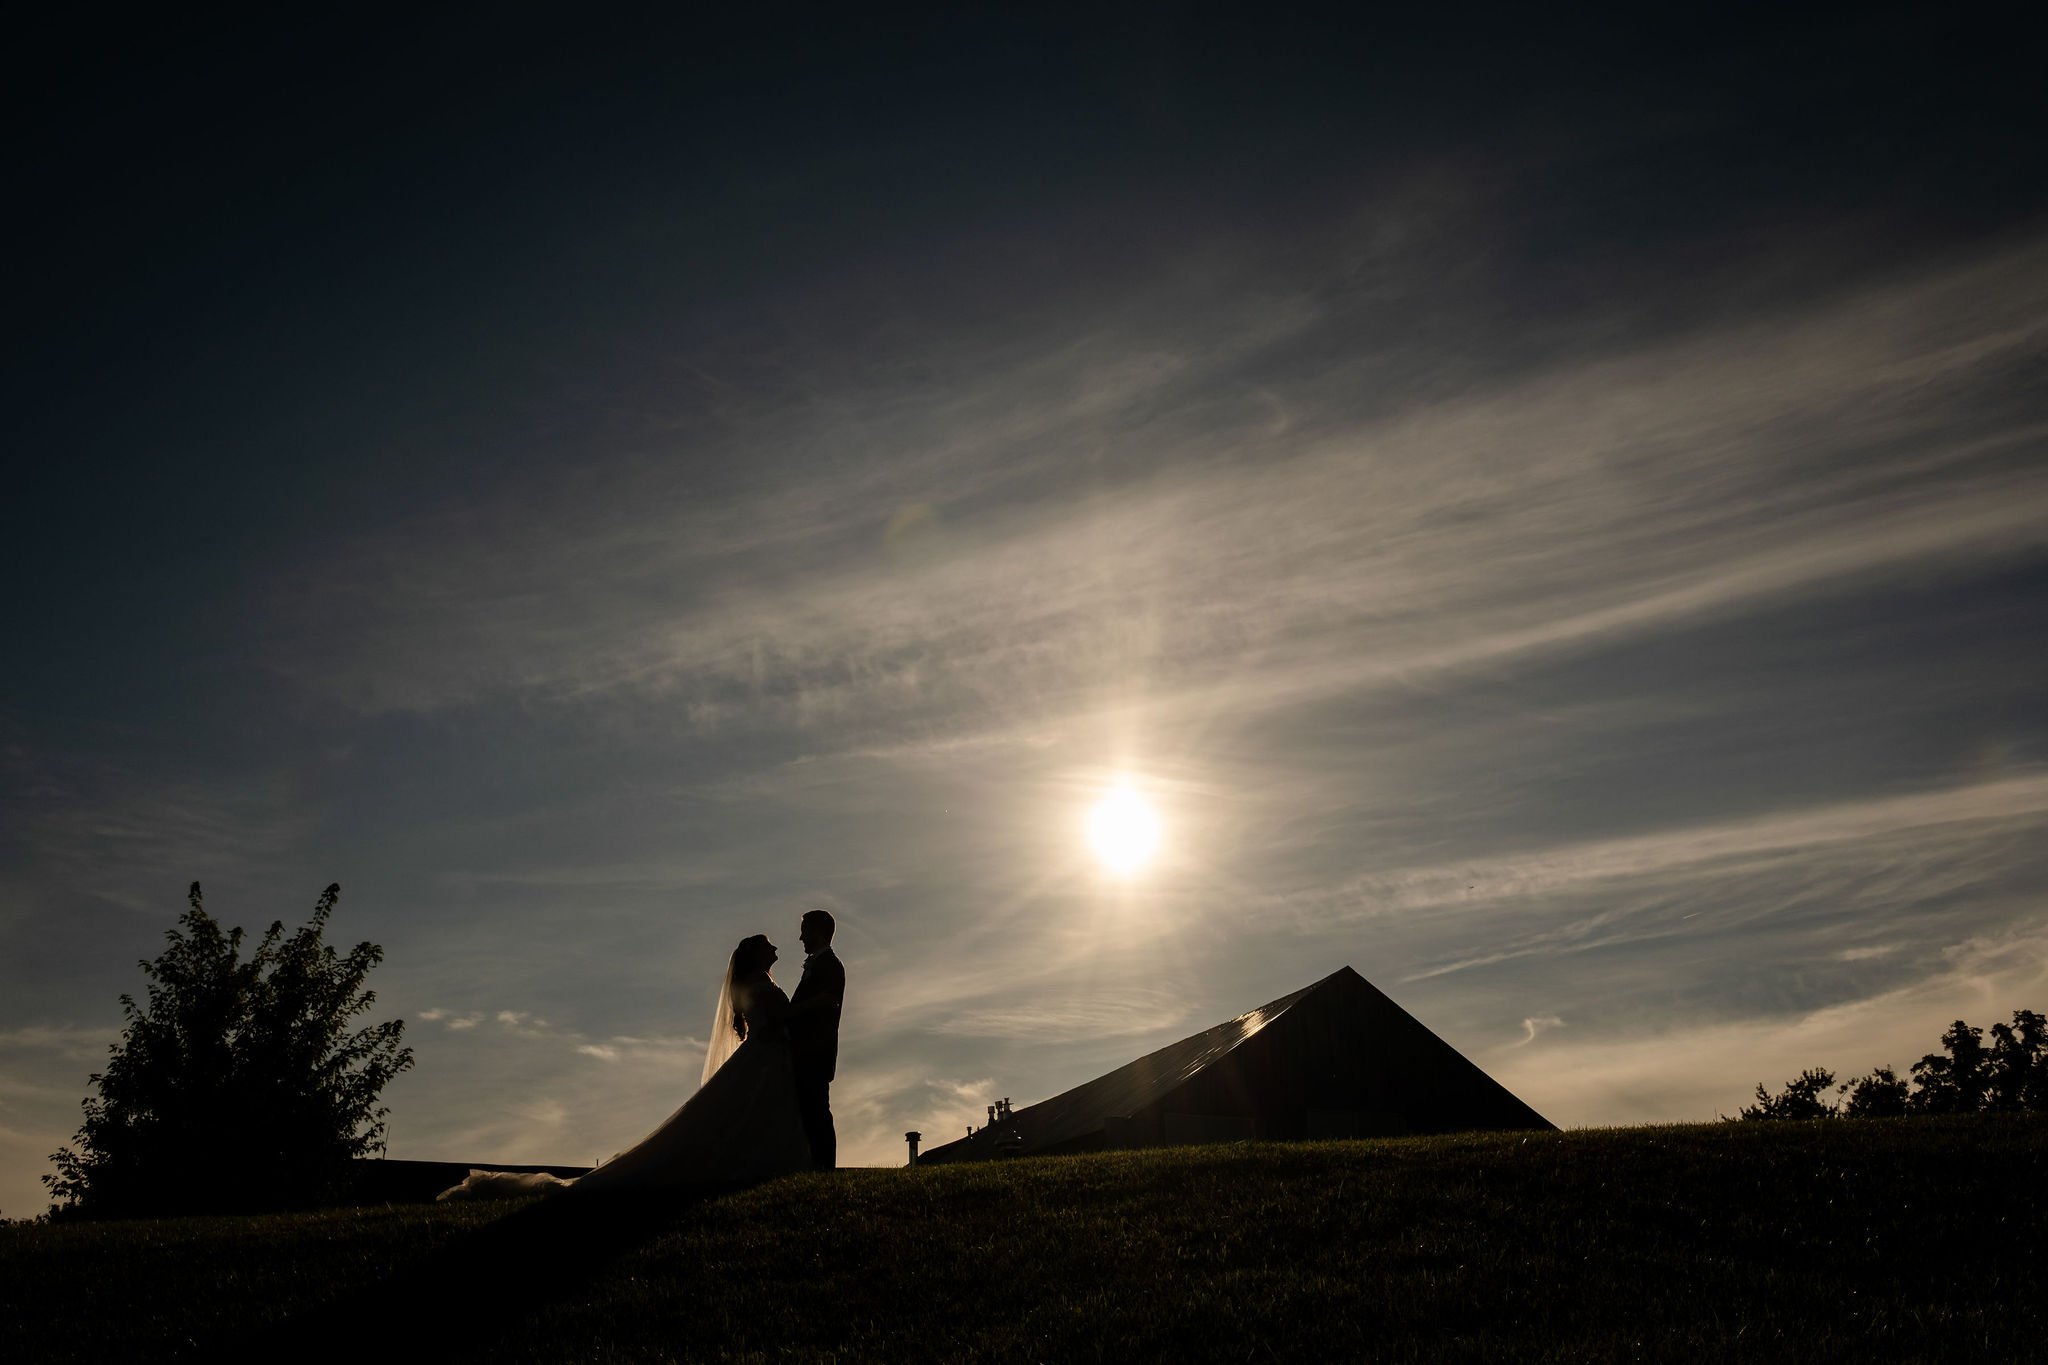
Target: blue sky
<point>1564,537</point>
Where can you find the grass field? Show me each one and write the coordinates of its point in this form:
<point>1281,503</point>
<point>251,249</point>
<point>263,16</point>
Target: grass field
<point>1881,1239</point>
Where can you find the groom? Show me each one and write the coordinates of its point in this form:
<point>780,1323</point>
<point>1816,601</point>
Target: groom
<point>814,1034</point>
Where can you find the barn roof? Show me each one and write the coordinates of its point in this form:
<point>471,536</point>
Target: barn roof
<point>1136,1084</point>
<point>1374,1021</point>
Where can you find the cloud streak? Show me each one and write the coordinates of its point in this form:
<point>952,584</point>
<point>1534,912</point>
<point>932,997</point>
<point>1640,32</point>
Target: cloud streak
<point>1682,1074</point>
<point>1611,496</point>
<point>2013,803</point>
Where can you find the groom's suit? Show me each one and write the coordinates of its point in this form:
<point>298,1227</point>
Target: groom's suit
<point>814,1049</point>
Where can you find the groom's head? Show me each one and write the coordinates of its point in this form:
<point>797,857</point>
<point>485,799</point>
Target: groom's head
<point>815,930</point>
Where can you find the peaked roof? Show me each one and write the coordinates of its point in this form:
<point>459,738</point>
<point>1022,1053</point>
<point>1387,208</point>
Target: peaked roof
<point>1365,1018</point>
<point>1136,1084</point>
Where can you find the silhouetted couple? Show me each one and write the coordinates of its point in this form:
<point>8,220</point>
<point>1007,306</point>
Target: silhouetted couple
<point>764,1107</point>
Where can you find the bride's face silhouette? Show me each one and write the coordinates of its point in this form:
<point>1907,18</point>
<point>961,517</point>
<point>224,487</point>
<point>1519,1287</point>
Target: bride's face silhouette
<point>754,956</point>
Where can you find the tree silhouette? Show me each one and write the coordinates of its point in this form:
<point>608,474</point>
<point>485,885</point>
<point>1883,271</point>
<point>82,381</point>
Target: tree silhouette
<point>2010,1075</point>
<point>1955,1083</point>
<point>1801,1098</point>
<point>2019,1062</point>
<point>1880,1095</point>
<point>239,1085</point>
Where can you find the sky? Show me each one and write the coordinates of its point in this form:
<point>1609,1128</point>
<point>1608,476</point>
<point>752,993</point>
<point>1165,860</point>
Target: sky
<point>1549,513</point>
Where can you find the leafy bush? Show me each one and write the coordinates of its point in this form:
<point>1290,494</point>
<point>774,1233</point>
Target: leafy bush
<point>239,1086</point>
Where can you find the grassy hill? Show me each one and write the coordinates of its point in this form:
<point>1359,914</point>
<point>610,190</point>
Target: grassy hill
<point>1903,1238</point>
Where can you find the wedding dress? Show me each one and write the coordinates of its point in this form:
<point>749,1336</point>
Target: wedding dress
<point>742,1125</point>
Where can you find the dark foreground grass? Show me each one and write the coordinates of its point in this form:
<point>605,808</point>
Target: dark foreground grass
<point>1887,1240</point>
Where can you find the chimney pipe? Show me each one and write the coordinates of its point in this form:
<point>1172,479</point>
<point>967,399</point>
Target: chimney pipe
<point>912,1139</point>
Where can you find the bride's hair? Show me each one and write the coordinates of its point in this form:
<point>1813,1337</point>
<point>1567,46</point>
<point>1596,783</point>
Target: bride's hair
<point>749,959</point>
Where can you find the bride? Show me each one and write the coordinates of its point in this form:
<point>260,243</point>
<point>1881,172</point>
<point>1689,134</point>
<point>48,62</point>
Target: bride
<point>741,1126</point>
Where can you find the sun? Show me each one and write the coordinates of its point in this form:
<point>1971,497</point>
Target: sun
<point>1124,830</point>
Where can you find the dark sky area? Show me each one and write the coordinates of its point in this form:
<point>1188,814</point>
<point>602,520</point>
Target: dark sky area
<point>1548,509</point>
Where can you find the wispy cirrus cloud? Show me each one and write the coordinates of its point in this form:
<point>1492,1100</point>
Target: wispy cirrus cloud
<point>524,1024</point>
<point>1615,495</point>
<point>1531,876</point>
<point>1071,1016</point>
<point>1747,920</point>
<point>1688,1072</point>
<point>68,1041</point>
<point>109,831</point>
<point>626,1047</point>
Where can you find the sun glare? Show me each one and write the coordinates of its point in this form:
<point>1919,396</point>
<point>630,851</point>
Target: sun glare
<point>1124,830</point>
